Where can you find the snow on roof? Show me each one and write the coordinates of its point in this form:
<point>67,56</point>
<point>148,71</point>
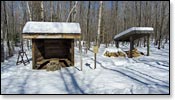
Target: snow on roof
<point>51,27</point>
<point>135,29</point>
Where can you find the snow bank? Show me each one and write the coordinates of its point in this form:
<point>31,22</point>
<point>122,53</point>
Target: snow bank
<point>142,75</point>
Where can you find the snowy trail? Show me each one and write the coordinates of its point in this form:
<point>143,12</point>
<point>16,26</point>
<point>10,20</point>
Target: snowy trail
<point>132,74</point>
<point>130,69</point>
<point>143,79</point>
<point>157,65</point>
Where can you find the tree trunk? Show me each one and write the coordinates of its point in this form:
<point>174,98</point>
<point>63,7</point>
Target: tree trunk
<point>156,24</point>
<point>29,12</point>
<point>88,32</point>
<point>140,17</point>
<point>99,24</point>
<point>10,53</point>
<point>144,44</point>
<point>42,11</point>
<point>30,19</point>
<point>161,24</point>
<point>51,11</point>
<point>2,46</point>
<point>71,11</point>
<point>159,41</point>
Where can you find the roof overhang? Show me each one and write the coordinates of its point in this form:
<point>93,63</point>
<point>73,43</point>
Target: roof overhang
<point>135,32</point>
<point>51,36</point>
<point>53,30</point>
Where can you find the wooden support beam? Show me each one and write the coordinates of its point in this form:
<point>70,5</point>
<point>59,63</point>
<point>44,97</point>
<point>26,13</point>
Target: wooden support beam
<point>148,42</point>
<point>95,60</point>
<point>117,44</point>
<point>80,48</point>
<point>51,36</point>
<point>33,54</point>
<point>131,46</point>
<point>72,52</point>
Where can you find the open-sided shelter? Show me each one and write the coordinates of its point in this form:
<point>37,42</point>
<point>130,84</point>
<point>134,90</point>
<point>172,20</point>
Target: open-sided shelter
<point>51,40</point>
<point>132,34</point>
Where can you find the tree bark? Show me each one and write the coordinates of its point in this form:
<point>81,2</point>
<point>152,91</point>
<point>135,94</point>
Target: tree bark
<point>30,19</point>
<point>71,11</point>
<point>51,11</point>
<point>42,11</point>
<point>99,23</point>
<point>88,32</point>
<point>10,53</point>
<point>29,12</point>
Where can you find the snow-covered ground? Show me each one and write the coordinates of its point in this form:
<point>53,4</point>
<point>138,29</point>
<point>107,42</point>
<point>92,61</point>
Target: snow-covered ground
<point>141,75</point>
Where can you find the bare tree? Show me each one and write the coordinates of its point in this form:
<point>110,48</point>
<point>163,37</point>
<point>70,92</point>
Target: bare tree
<point>163,8</point>
<point>71,11</point>
<point>88,18</point>
<point>7,37</point>
<point>51,11</point>
<point>42,11</point>
<point>113,20</point>
<point>30,19</point>
<point>99,23</point>
<point>28,10</point>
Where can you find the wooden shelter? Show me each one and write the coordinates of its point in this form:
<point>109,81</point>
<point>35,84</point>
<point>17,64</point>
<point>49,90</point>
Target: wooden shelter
<point>132,34</point>
<point>52,41</point>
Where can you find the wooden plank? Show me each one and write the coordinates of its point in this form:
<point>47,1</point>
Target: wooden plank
<point>62,44</point>
<point>127,38</point>
<point>58,44</point>
<point>41,64</point>
<point>40,58</point>
<point>80,49</point>
<point>131,46</point>
<point>51,36</point>
<point>56,53</point>
<point>62,64</point>
<point>57,48</point>
<point>33,54</point>
<point>39,54</point>
<point>57,41</point>
<point>52,48</point>
<point>72,52</point>
<point>69,63</point>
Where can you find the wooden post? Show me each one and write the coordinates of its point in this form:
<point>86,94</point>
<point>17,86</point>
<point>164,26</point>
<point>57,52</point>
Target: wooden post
<point>117,44</point>
<point>94,60</point>
<point>80,47</point>
<point>95,50</point>
<point>72,52</point>
<point>131,46</point>
<point>148,45</point>
<point>33,54</point>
